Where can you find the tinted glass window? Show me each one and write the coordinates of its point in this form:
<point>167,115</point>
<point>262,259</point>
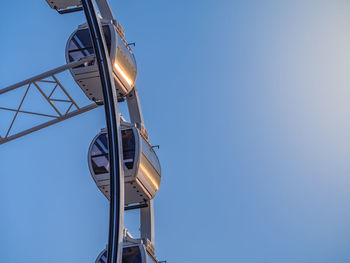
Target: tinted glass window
<point>99,152</point>
<point>128,148</point>
<point>131,255</point>
<point>126,60</point>
<point>95,150</point>
<point>99,155</point>
<point>126,50</point>
<point>80,45</point>
<point>107,34</point>
<point>150,154</point>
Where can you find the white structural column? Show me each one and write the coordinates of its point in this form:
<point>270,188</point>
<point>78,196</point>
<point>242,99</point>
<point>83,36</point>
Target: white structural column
<point>105,9</point>
<point>147,222</point>
<point>135,111</point>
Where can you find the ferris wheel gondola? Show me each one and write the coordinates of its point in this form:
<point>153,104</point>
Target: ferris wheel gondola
<point>142,172</point>
<point>87,76</point>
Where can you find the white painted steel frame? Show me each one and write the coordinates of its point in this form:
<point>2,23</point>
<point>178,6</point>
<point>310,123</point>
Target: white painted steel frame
<point>35,82</point>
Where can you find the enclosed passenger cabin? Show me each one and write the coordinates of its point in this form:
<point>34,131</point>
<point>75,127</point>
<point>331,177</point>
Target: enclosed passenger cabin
<point>132,253</point>
<point>141,165</point>
<point>123,62</point>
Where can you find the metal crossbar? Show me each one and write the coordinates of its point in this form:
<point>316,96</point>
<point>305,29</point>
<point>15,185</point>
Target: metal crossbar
<point>49,78</point>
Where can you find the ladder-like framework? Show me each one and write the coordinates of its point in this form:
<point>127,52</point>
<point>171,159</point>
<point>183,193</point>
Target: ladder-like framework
<point>48,85</point>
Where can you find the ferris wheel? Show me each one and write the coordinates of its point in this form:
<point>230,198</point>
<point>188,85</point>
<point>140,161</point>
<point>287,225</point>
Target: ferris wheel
<point>121,159</point>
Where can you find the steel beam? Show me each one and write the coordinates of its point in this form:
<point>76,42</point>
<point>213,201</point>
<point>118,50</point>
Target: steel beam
<point>34,82</point>
<point>47,74</point>
<point>116,212</point>
<point>49,123</point>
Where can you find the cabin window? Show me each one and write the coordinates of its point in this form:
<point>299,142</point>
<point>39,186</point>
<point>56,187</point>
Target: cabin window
<point>99,152</point>
<point>131,255</point>
<point>128,140</point>
<point>126,61</point>
<point>99,155</point>
<point>80,45</point>
<point>149,153</point>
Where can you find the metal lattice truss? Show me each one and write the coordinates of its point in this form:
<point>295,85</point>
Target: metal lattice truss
<point>40,83</point>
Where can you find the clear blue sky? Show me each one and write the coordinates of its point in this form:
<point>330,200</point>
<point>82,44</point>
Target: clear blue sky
<point>249,101</point>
